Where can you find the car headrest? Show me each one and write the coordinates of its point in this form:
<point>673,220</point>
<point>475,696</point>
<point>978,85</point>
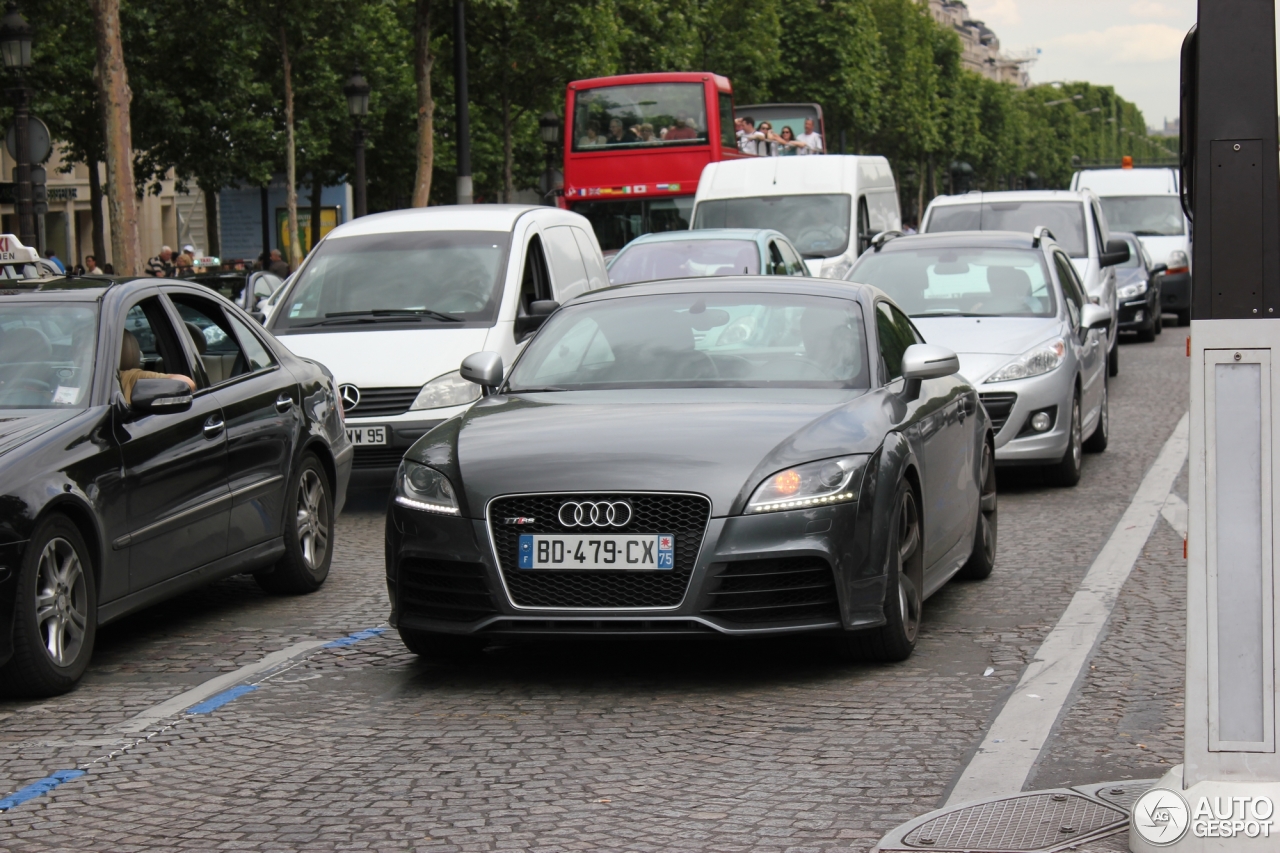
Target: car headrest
<point>130,352</point>
<point>197,338</point>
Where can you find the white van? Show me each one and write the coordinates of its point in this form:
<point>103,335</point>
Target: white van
<point>829,207</point>
<point>1146,202</point>
<point>392,303</point>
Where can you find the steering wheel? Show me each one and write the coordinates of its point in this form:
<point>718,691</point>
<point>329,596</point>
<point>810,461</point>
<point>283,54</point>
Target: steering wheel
<point>807,236</point>
<point>32,384</point>
<point>822,373</point>
<point>461,302</point>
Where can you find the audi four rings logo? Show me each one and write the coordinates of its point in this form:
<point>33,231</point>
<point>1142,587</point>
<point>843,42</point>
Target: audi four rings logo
<point>350,395</point>
<point>595,514</point>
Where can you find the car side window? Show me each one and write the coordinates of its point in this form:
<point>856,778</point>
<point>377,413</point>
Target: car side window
<point>894,338</point>
<point>535,282</point>
<point>1073,297</point>
<point>149,342</point>
<point>864,225</point>
<point>777,266</point>
<point>1100,230</point>
<point>908,329</point>
<point>566,262</point>
<point>214,339</point>
<point>255,352</point>
<point>795,265</point>
<point>596,275</point>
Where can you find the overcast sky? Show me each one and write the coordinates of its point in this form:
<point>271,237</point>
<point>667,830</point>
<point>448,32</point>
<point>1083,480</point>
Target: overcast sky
<point>1129,44</point>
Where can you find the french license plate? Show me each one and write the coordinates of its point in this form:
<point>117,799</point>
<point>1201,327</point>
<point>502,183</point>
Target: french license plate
<point>642,551</point>
<point>367,436</point>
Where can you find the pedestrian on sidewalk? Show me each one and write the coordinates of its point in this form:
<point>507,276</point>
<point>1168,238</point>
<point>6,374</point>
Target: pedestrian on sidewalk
<point>278,266</point>
<point>52,257</point>
<point>161,266</point>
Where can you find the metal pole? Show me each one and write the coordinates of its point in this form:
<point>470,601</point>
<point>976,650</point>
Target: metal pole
<point>266,231</point>
<point>462,102</point>
<point>25,203</point>
<point>361,190</point>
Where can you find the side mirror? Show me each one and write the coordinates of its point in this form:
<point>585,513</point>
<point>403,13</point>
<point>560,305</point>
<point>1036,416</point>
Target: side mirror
<point>1095,317</point>
<point>926,361</point>
<point>1117,253</point>
<point>483,368</point>
<point>539,311</point>
<point>160,397</point>
<point>1158,269</point>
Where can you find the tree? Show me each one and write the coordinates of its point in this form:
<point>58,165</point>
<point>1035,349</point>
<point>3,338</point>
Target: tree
<point>114,95</point>
<point>423,60</point>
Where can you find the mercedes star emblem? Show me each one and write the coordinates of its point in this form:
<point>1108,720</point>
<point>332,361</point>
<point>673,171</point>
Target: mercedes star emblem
<point>350,397</point>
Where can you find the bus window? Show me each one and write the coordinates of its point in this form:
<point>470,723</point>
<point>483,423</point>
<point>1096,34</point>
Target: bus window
<point>640,115</point>
<point>728,138</point>
<point>617,223</point>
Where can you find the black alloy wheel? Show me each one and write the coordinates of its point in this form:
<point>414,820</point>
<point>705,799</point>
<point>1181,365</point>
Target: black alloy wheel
<point>983,558</point>
<point>1067,471</point>
<point>56,617</point>
<point>308,533</point>
<point>1097,442</point>
<point>904,581</point>
<point>442,647</point>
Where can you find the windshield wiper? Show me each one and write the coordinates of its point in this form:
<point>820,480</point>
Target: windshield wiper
<point>536,390</point>
<point>396,313</point>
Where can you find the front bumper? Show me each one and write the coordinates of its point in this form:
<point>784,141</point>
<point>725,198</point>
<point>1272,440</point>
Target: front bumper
<point>10,566</point>
<point>1016,442</point>
<point>776,573</point>
<point>1139,312</point>
<point>1175,292</point>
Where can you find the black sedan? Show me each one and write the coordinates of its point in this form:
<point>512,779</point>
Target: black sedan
<point>1138,290</point>
<point>727,457</point>
<point>152,438</point>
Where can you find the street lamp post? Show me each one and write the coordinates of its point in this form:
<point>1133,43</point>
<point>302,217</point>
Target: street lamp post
<point>549,130</point>
<point>357,92</point>
<point>15,49</point>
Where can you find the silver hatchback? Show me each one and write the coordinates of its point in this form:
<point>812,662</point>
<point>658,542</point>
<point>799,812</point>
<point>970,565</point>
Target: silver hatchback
<point>1013,308</point>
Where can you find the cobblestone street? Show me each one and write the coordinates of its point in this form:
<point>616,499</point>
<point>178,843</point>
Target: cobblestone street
<point>644,746</point>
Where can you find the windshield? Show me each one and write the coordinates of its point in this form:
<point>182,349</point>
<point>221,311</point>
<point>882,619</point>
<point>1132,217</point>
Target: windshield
<point>685,259</point>
<point>698,340</point>
<point>1144,215</point>
<point>968,282</point>
<point>617,223</point>
<point>1064,218</point>
<point>640,116</point>
<point>414,276</point>
<point>46,354</point>
<point>818,225</point>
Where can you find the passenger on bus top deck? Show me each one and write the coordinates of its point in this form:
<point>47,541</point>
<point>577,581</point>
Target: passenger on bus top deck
<point>645,132</point>
<point>618,134</point>
<point>593,137</point>
<point>682,129</point>
<point>812,141</point>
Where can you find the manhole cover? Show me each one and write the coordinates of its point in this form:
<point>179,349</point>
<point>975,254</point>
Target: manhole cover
<point>1122,795</point>
<point>1034,822</point>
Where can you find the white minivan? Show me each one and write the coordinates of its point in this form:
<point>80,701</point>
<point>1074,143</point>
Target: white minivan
<point>392,303</point>
<point>829,207</point>
<point>1146,202</point>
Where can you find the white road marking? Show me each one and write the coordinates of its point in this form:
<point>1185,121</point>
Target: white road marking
<point>1014,740</point>
<point>1175,512</point>
<point>183,701</point>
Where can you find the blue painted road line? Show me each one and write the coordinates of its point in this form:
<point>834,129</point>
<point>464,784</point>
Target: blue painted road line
<point>352,639</point>
<point>213,703</point>
<point>36,789</point>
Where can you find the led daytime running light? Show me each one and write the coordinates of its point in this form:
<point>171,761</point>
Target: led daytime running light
<point>801,503</point>
<point>425,506</point>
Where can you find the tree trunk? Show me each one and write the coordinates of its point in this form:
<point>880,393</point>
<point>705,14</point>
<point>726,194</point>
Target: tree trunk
<point>114,94</point>
<point>317,208</point>
<point>423,60</point>
<point>95,214</point>
<point>290,157</point>
<point>213,236</point>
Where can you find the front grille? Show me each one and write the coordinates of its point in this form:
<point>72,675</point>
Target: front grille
<point>599,627</point>
<point>776,590</point>
<point>684,516</point>
<point>383,402</point>
<point>377,457</point>
<point>998,407</point>
<point>443,589</point>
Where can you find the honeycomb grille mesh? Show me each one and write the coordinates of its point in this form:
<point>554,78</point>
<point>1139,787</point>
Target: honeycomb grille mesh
<point>684,516</point>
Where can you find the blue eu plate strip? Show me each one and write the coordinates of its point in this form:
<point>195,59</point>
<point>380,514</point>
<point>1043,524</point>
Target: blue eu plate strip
<point>213,703</point>
<point>525,558</point>
<point>352,639</point>
<point>36,789</point>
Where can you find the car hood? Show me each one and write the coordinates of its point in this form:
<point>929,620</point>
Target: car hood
<point>985,344</point>
<point>18,426</point>
<point>390,358</point>
<point>716,442</point>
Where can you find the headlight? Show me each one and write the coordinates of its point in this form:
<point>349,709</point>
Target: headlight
<point>837,270</point>
<point>445,391</point>
<point>814,484</point>
<point>1131,290</point>
<point>426,489</point>
<point>1040,360</point>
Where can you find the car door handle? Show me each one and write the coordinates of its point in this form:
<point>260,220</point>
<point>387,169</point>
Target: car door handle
<point>214,426</point>
<point>283,403</point>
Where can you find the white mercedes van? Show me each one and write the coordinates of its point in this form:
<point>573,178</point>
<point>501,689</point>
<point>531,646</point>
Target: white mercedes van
<point>1145,201</point>
<point>829,207</point>
<point>392,303</point>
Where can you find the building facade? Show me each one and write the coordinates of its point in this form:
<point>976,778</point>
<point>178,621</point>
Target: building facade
<point>980,45</point>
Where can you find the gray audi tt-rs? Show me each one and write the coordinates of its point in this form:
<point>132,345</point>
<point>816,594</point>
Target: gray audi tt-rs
<point>720,457</point>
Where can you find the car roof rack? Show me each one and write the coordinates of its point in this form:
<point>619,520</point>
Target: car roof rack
<point>878,241</point>
<point>1039,234</point>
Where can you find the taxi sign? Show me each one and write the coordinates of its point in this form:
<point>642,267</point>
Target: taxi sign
<point>13,252</point>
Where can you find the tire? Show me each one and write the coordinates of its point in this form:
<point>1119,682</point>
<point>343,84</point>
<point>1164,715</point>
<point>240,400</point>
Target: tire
<point>1097,442</point>
<point>442,647</point>
<point>52,644</point>
<point>896,639</point>
<point>983,558</point>
<point>308,531</point>
<point>1113,360</point>
<point>1067,471</point>
<point>1184,317</point>
<point>1148,334</point>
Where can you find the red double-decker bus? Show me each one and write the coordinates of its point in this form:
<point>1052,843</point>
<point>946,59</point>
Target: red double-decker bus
<point>636,145</point>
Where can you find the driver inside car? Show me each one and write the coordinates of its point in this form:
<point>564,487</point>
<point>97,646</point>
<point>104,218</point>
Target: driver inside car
<point>131,368</point>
